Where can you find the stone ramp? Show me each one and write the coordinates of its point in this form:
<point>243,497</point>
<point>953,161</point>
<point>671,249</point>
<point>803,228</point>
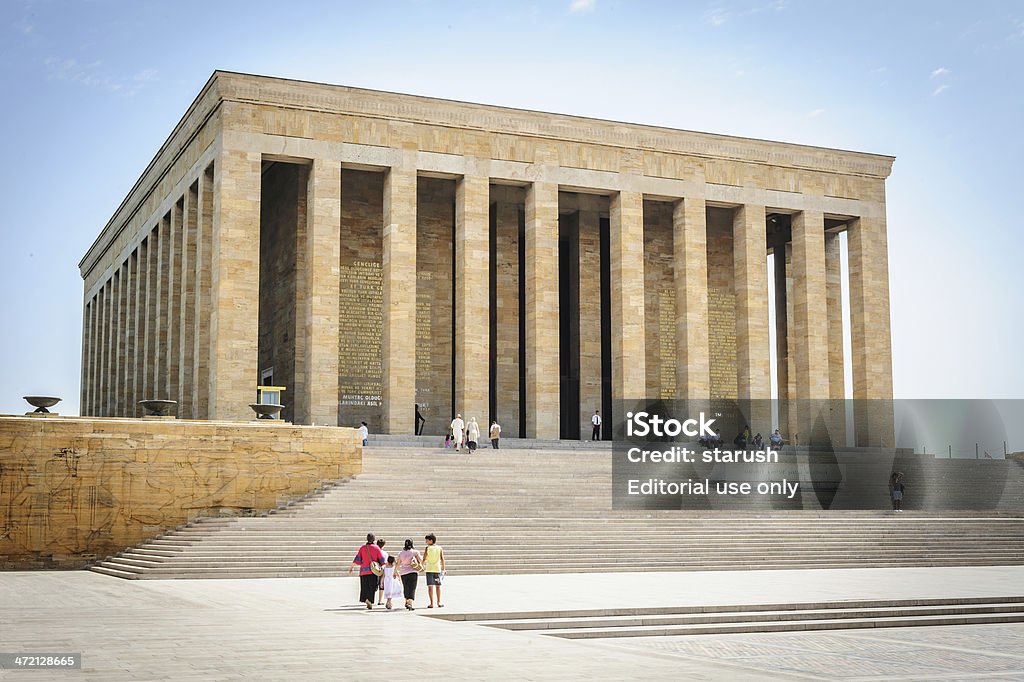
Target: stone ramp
<point>761,617</point>
<point>549,511</point>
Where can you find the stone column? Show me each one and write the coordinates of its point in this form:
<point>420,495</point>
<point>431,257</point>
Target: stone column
<point>142,328</point>
<point>149,349</point>
<point>85,388</point>
<point>834,306</point>
<point>162,319</point>
<point>321,298</point>
<point>398,340</point>
<point>690,270</point>
<point>472,299</point>
<point>750,281</point>
<point>780,249</point>
<point>104,367</point>
<point>626,258</point>
<point>131,388</point>
<point>115,340</point>
<point>174,279</point>
<point>187,318</point>
<point>235,286</point>
<point>120,399</point>
<point>204,293</point>
<point>809,336</point>
<point>541,292</point>
<point>100,352</point>
<point>590,311</point>
<point>870,331</point>
<point>509,209</point>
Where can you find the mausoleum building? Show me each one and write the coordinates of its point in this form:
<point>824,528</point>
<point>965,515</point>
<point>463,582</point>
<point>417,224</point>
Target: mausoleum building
<point>371,251</point>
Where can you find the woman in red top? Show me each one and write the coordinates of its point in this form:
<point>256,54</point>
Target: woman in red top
<point>367,554</point>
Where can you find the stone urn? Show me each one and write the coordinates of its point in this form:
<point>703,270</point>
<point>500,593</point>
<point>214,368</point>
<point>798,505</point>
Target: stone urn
<point>266,410</point>
<point>41,402</point>
<point>157,408</point>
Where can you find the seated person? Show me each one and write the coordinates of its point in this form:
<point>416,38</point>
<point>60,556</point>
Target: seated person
<point>714,441</point>
<point>758,442</point>
<point>776,438</point>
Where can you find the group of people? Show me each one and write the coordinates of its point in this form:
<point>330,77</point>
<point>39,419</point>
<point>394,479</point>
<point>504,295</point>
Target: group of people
<point>462,433</point>
<point>742,439</point>
<point>389,577</point>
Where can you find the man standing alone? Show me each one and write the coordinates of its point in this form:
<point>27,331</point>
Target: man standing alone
<point>596,421</point>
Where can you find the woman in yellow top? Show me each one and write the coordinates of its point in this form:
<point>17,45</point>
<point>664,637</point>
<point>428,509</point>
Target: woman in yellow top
<point>433,566</point>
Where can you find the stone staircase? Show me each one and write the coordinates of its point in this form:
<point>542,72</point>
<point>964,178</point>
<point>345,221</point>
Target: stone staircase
<point>549,510</point>
<point>728,619</point>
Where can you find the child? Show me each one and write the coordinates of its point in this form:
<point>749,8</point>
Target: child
<point>434,567</point>
<point>392,583</point>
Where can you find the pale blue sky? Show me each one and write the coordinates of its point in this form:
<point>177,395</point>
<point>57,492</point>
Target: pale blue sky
<point>91,89</point>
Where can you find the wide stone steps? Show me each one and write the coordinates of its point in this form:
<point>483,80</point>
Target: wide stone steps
<point>541,511</point>
<point>241,571</point>
<point>725,619</point>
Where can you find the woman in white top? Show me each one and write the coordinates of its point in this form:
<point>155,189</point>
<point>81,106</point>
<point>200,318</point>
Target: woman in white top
<point>473,433</point>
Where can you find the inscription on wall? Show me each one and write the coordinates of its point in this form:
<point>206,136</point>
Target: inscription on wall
<point>722,334</point>
<point>667,342</point>
<point>424,317</point>
<point>360,338</point>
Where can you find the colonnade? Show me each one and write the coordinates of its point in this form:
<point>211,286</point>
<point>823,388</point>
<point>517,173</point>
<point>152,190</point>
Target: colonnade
<point>146,326</point>
<point>176,316</point>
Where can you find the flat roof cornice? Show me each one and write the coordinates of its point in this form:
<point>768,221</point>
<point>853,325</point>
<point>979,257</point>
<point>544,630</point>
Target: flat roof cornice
<point>254,89</point>
<point>229,86</point>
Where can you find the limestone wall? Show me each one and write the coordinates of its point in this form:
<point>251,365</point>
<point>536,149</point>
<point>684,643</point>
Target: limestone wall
<point>73,490</point>
<point>435,224</point>
<point>359,301</point>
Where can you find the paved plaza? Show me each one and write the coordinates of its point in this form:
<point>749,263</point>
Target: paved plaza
<point>313,629</point>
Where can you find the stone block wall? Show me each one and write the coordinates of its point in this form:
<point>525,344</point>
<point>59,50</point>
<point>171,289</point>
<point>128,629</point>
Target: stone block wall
<point>508,205</point>
<point>660,302</point>
<point>74,490</point>
<point>721,304</point>
<point>435,227</point>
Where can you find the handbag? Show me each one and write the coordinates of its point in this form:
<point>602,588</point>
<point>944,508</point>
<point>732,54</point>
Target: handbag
<point>376,569</point>
<point>416,564</point>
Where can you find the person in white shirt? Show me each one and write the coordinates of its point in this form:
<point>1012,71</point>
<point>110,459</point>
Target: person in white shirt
<point>458,427</point>
<point>364,433</point>
<point>472,434</point>
<point>595,434</point>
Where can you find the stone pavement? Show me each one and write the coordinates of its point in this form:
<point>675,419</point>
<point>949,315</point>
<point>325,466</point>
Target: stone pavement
<point>311,628</point>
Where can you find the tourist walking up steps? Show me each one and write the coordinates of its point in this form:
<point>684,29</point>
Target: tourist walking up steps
<point>458,427</point>
<point>433,565</point>
<point>495,434</point>
<point>366,555</point>
<point>409,564</point>
<point>472,434</point>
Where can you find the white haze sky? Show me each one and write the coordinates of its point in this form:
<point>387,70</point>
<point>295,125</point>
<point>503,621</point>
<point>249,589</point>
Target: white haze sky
<point>92,88</point>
